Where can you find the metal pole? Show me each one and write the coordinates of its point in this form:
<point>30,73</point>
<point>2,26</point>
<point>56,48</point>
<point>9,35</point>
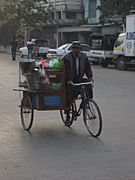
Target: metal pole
<point>55,18</point>
<point>25,35</point>
<point>57,38</point>
<point>55,10</point>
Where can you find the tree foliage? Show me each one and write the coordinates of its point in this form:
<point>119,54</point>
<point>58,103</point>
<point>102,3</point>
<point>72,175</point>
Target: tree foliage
<point>111,8</point>
<point>33,12</point>
<point>25,13</point>
<point>29,12</point>
<point>7,31</point>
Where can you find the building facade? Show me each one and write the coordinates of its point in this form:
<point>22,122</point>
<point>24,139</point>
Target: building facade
<point>91,13</point>
<point>74,20</point>
<point>90,20</point>
<point>65,13</point>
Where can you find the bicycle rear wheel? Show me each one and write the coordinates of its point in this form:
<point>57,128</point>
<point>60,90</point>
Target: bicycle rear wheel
<point>68,117</point>
<point>27,112</point>
<point>92,117</point>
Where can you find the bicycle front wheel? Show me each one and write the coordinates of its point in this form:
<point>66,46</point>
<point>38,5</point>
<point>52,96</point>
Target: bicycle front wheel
<point>68,118</point>
<point>92,117</point>
<point>27,112</point>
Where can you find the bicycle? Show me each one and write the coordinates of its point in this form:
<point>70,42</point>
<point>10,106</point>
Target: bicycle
<point>91,113</point>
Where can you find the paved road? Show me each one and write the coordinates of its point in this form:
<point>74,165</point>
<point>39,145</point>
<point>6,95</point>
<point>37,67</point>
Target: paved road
<point>52,151</point>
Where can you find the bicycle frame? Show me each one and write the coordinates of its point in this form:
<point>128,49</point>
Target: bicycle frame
<point>82,92</point>
<point>88,107</point>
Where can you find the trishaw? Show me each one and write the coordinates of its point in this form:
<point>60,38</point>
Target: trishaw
<point>35,96</point>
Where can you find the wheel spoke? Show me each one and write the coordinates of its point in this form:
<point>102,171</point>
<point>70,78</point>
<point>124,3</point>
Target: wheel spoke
<point>27,113</point>
<point>68,117</point>
<point>92,118</point>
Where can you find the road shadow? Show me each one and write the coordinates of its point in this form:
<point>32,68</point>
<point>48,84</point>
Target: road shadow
<point>62,139</point>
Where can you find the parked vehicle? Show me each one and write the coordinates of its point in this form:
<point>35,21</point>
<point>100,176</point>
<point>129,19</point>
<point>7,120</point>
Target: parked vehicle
<point>65,48</point>
<point>52,53</point>
<point>41,46</point>
<point>124,47</point>
<point>101,48</point>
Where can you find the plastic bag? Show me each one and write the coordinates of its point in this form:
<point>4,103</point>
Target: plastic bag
<point>44,77</point>
<point>43,62</point>
<point>56,63</point>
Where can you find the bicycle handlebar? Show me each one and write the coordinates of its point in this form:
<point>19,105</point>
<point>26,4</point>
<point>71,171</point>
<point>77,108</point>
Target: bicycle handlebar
<point>82,83</point>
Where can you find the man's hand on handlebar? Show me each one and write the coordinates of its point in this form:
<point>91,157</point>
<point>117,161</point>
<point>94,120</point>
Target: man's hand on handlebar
<point>91,79</point>
<point>70,82</point>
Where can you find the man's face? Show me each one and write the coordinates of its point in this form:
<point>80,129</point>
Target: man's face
<point>76,50</point>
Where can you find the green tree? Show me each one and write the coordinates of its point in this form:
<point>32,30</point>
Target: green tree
<point>111,8</point>
<point>33,12</point>
<point>30,13</point>
<point>7,31</point>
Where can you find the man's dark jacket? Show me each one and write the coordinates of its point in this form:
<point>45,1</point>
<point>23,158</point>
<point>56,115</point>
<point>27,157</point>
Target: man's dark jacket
<point>84,67</point>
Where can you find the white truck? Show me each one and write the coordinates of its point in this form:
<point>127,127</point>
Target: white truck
<point>101,48</point>
<point>124,47</point>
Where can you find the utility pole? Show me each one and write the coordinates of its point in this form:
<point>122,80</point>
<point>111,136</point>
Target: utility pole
<point>55,18</point>
<point>25,35</point>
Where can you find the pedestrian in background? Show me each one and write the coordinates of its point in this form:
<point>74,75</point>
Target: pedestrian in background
<point>30,48</point>
<point>13,44</point>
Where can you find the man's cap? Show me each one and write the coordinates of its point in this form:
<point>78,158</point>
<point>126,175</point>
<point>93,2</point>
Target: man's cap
<point>76,44</point>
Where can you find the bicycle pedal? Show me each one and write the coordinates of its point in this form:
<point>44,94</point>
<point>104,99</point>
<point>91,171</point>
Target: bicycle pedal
<point>93,117</point>
<point>26,112</point>
<point>75,118</point>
